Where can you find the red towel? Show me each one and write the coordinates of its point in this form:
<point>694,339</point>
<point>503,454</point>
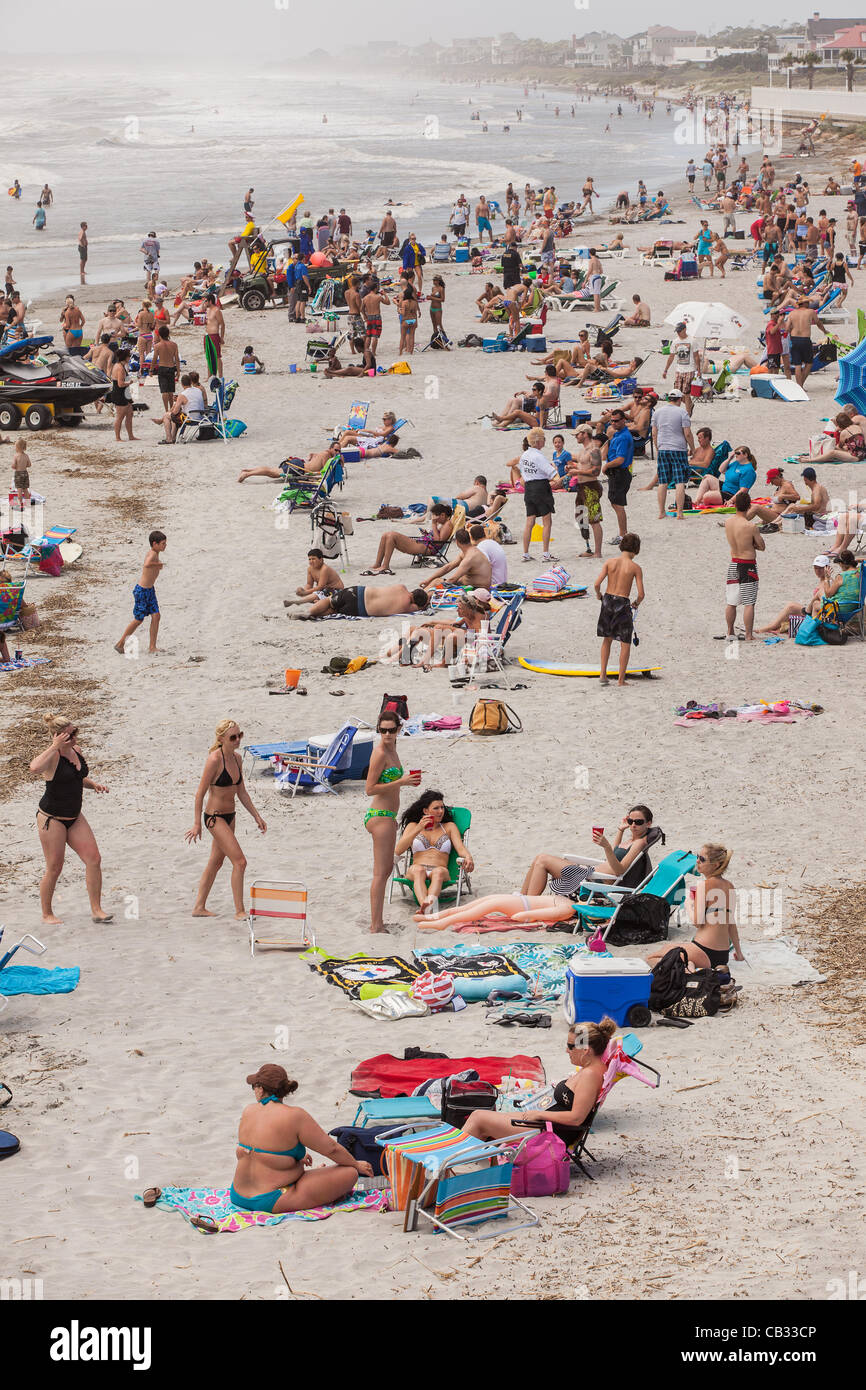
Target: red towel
<point>385,1076</point>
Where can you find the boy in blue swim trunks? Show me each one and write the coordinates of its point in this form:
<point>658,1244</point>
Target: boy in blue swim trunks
<point>144,594</point>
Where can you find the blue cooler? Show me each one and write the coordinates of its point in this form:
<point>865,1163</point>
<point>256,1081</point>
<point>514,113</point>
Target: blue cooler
<point>461,255</point>
<point>354,762</point>
<point>580,417</point>
<point>599,986</point>
<point>534,343</point>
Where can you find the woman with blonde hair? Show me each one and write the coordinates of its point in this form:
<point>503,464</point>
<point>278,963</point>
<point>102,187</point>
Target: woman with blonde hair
<point>711,908</point>
<point>221,781</point>
<point>59,819</point>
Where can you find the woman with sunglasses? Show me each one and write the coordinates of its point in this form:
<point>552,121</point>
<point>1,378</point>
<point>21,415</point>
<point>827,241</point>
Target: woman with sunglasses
<point>385,777</point>
<point>739,470</point>
<point>59,819</point>
<point>221,782</point>
<point>574,1098</point>
<point>626,859</point>
<point>711,908</point>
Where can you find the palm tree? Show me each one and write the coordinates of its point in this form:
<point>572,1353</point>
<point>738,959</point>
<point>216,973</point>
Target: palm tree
<point>811,61</point>
<point>849,58</point>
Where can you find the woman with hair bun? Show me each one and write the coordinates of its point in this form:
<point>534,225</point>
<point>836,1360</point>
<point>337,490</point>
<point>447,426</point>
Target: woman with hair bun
<point>711,908</point>
<point>222,781</point>
<point>273,1152</point>
<point>573,1099</point>
<point>59,819</point>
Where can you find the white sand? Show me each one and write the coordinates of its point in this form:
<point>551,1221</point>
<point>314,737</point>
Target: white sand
<point>137,1077</point>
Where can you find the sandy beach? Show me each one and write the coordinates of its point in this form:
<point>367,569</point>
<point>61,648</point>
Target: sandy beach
<point>742,1176</point>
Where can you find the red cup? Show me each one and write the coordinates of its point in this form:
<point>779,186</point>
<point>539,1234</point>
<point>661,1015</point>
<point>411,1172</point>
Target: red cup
<point>598,830</point>
<point>415,771</point>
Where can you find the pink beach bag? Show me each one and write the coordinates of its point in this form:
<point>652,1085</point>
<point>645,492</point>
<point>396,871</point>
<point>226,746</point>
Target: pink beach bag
<point>542,1168</point>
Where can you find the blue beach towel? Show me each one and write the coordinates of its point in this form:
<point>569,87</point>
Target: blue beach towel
<point>34,979</point>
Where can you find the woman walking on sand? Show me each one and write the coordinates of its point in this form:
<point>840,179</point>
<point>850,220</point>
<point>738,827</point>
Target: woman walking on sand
<point>59,819</point>
<point>385,777</point>
<point>119,395</point>
<point>222,781</point>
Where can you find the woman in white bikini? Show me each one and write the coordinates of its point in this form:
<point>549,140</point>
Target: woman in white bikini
<point>429,831</point>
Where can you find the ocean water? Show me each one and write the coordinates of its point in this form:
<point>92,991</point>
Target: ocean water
<point>174,150</point>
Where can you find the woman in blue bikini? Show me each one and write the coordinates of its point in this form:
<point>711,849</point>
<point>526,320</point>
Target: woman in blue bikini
<point>273,1152</point>
<point>385,777</point>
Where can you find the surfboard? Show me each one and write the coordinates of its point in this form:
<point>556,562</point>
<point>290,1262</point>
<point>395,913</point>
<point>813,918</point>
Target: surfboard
<point>562,668</point>
<point>210,357</point>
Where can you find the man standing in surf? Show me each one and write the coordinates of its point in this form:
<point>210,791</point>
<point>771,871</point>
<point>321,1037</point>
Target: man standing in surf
<point>214,336</point>
<point>82,251</point>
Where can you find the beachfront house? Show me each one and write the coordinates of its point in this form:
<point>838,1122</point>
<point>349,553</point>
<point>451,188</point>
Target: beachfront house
<point>597,49</point>
<point>505,50</point>
<point>655,47</point>
<point>853,37</point>
<point>819,31</point>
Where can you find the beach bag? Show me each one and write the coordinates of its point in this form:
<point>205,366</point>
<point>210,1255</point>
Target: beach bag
<point>362,1145</point>
<point>52,563</point>
<point>808,634</point>
<point>493,717</point>
<point>641,918</point>
<point>471,340</point>
<point>434,990</point>
<point>395,704</point>
<point>832,635</point>
<point>701,998</point>
<point>542,1168</point>
<point>460,1098</point>
<point>399,369</point>
<point>669,980</point>
<point>29,616</point>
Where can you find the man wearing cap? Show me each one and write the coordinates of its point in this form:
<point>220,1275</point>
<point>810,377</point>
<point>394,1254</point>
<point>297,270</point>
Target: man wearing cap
<point>684,359</point>
<point>823,589</point>
<point>818,504</point>
<point>741,583</point>
<point>674,445</point>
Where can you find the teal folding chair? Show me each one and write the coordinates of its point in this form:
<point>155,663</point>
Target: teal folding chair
<point>667,881</point>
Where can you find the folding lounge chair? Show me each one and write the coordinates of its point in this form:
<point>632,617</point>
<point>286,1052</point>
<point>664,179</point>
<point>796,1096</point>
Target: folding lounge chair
<point>486,648</point>
<point>38,548</point>
<point>328,522</point>
<point>855,621</point>
<point>397,1110</point>
<point>26,943</point>
<point>312,774</point>
<point>609,330</point>
<point>453,1180</point>
<point>11,598</point>
<point>266,752</point>
<point>306,493</point>
<point>667,881</point>
<point>458,879</point>
<point>279,901</point>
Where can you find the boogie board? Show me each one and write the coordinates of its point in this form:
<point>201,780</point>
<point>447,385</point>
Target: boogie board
<point>769,386</point>
<point>563,668</point>
<point>70,552</point>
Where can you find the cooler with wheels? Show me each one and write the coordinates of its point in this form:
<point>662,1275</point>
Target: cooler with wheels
<point>616,987</point>
<point>354,762</point>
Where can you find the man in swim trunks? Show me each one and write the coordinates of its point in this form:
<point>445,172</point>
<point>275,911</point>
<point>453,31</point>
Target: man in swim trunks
<point>215,329</point>
<point>360,601</point>
<point>616,617</point>
<point>144,594</point>
<point>371,306</point>
<point>800,323</point>
<point>355,326</point>
<point>387,236</point>
<point>482,219</point>
<point>166,361</point>
<point>594,280</point>
<point>82,251</point>
<point>741,584</point>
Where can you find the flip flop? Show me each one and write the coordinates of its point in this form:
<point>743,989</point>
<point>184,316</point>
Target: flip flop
<point>205,1224</point>
<point>151,1196</point>
<point>109,917</point>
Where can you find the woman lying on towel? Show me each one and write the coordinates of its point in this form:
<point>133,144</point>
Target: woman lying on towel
<point>626,859</point>
<point>282,1133</point>
<point>711,908</point>
<point>429,831</point>
<point>516,907</point>
<point>574,1098</point>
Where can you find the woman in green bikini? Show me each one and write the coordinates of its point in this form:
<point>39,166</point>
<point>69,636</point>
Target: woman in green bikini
<point>273,1152</point>
<point>385,777</point>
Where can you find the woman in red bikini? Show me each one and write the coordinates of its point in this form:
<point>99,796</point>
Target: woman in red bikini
<point>222,781</point>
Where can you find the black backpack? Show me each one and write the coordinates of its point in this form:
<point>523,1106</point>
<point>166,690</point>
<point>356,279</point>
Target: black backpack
<point>701,998</point>
<point>641,919</point>
<point>395,704</point>
<point>669,980</point>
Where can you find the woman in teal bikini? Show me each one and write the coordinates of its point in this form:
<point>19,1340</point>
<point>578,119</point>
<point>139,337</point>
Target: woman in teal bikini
<point>273,1152</point>
<point>385,777</point>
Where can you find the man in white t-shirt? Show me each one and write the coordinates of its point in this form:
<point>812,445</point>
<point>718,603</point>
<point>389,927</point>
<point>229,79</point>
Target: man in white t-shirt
<point>674,445</point>
<point>495,554</point>
<point>536,472</point>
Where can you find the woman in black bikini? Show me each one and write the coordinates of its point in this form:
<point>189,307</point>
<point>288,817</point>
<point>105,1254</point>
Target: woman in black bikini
<point>711,908</point>
<point>222,781</point>
<point>573,1099</point>
<point>59,819</point>
<point>118,397</point>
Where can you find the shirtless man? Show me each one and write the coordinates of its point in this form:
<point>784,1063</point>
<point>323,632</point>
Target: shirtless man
<point>741,584</point>
<point>616,619</point>
<point>144,593</point>
<point>800,323</point>
<point>472,567</point>
<point>355,325</point>
<point>100,355</point>
<point>585,470</point>
<point>109,323</point>
<point>371,306</point>
<point>360,601</point>
<point>594,280</point>
<point>166,361</point>
<point>483,219</point>
<point>387,237</point>
<point>487,295</point>
<point>322,580</point>
<point>818,503</point>
<point>82,251</point>
<point>215,329</point>
<point>728,209</point>
<point>641,316</point>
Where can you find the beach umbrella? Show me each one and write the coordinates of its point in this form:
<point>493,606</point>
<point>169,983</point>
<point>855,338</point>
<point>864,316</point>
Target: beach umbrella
<point>708,320</point>
<point>852,378</point>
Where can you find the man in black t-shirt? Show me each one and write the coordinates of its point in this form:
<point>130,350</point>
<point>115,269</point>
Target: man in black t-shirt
<point>512,267</point>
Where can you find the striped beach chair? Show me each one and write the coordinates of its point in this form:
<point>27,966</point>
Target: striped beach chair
<point>279,901</point>
<point>453,1180</point>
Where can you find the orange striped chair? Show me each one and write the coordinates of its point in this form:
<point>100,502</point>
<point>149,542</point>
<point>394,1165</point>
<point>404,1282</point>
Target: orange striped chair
<point>274,901</point>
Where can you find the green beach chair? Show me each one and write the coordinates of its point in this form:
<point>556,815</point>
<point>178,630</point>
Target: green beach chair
<point>458,879</point>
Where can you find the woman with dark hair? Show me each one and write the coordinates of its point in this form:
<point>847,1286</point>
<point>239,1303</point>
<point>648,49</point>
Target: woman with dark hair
<point>626,859</point>
<point>274,1151</point>
<point>429,831</point>
<point>119,396</point>
<point>385,777</point>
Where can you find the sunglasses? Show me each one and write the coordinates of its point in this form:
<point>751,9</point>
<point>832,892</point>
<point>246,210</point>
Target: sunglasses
<point>634,820</point>
<point>702,858</point>
<point>236,738</point>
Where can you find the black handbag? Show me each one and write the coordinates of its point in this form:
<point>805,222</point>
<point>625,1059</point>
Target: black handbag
<point>460,1098</point>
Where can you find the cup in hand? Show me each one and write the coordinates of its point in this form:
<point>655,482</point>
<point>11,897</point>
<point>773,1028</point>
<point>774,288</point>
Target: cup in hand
<point>597,832</point>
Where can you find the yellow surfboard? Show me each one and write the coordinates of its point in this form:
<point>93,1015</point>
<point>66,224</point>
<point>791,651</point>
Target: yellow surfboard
<point>563,668</point>
<point>288,213</point>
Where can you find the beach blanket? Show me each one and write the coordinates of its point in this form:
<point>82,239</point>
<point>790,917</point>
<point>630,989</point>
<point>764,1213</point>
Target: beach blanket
<point>362,976</point>
<point>571,591</point>
<point>385,1076</point>
<point>9,666</point>
<point>34,979</point>
<point>543,963</point>
<point>214,1202</point>
<point>772,963</point>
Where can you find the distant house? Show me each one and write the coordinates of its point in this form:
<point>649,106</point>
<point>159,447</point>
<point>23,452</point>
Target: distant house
<point>465,51</point>
<point>655,47</point>
<point>596,50</point>
<point>795,44</point>
<point>819,31</point>
<point>505,50</point>
<point>705,53</point>
<point>853,37</point>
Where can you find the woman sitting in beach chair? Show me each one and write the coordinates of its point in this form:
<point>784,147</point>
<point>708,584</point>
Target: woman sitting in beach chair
<point>439,643</point>
<point>427,543</point>
<point>711,909</point>
<point>626,860</point>
<point>429,832</point>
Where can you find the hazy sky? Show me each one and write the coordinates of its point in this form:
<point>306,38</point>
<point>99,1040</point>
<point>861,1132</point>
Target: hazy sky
<point>272,29</point>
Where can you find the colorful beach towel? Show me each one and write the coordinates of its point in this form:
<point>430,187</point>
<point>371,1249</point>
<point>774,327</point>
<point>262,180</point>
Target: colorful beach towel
<point>10,666</point>
<point>543,963</point>
<point>34,979</point>
<point>214,1202</point>
<point>363,976</point>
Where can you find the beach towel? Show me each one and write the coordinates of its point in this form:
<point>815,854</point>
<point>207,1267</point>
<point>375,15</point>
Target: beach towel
<point>543,963</point>
<point>34,979</point>
<point>214,1202</point>
<point>386,1076</point>
<point>10,666</point>
<point>769,964</point>
<point>362,976</point>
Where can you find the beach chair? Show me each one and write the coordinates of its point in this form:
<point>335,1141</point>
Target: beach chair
<point>38,548</point>
<point>330,533</point>
<point>854,621</point>
<point>485,649</point>
<point>279,901</point>
<point>609,330</point>
<point>11,598</point>
<point>396,1110</point>
<point>441,253</point>
<point>305,493</point>
<point>458,879</point>
<point>316,774</point>
<point>667,881</point>
<point>452,1180</point>
<point>267,752</point>
<point>26,943</point>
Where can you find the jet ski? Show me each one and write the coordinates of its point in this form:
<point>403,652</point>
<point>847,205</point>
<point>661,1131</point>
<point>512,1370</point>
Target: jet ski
<point>40,383</point>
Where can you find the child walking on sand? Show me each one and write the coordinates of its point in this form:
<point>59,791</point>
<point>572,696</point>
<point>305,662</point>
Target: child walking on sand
<point>21,472</point>
<point>144,593</point>
<point>616,619</point>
